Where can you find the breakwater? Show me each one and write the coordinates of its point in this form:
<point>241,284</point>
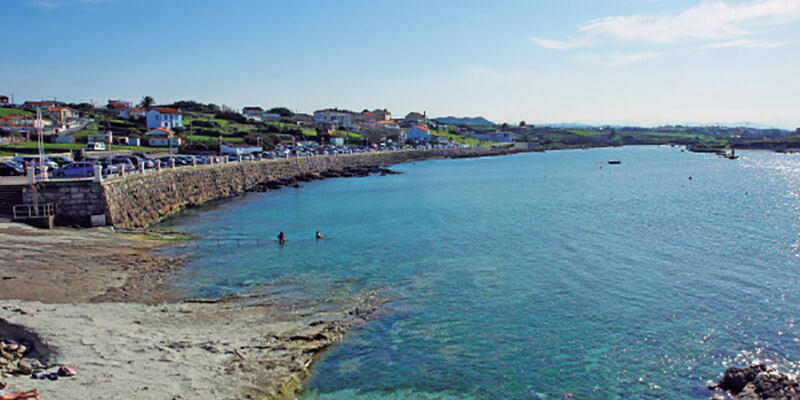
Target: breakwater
<point>136,201</point>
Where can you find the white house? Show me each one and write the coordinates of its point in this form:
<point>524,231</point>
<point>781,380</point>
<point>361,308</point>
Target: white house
<point>162,137</point>
<point>162,117</point>
<point>418,133</point>
<point>334,117</point>
<point>128,113</point>
<point>101,138</point>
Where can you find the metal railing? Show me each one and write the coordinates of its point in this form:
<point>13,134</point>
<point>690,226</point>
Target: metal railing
<point>33,210</point>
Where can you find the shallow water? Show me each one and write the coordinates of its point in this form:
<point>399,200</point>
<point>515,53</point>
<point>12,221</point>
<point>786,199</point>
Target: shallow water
<point>531,276</point>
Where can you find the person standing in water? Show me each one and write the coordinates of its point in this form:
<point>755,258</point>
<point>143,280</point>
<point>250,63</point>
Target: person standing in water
<point>319,235</point>
<point>281,238</point>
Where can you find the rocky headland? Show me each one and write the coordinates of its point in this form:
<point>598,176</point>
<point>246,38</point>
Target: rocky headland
<point>757,382</point>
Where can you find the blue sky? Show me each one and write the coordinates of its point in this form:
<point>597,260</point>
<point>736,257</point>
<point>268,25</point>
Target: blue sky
<point>645,62</point>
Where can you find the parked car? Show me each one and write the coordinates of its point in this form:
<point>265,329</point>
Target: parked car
<point>34,160</point>
<point>79,169</point>
<point>96,146</point>
<point>61,161</point>
<point>123,163</point>
<point>10,168</point>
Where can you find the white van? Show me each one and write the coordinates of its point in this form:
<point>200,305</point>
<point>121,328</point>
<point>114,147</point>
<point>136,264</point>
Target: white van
<point>96,146</point>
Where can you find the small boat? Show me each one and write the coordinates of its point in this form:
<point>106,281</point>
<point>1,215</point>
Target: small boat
<point>614,162</point>
<point>730,154</point>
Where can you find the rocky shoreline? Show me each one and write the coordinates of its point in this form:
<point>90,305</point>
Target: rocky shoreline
<point>757,382</point>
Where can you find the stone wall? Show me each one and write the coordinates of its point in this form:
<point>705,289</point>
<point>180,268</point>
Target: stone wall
<point>138,200</point>
<point>75,201</point>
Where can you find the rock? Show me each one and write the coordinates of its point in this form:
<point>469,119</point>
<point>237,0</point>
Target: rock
<point>770,386</point>
<point>735,379</point>
<point>24,367</point>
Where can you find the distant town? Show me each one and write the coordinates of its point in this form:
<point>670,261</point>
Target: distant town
<point>193,127</point>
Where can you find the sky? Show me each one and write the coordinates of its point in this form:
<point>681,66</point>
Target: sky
<point>632,62</point>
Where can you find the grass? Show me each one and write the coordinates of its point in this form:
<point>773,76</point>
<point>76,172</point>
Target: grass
<point>583,132</point>
<point>458,138</point>
<point>8,111</point>
<point>206,139</point>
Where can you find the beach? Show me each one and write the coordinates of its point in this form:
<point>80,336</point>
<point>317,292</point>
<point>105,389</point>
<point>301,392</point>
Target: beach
<point>95,299</point>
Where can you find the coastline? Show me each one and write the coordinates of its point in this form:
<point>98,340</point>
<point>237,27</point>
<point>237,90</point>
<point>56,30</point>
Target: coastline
<point>94,300</point>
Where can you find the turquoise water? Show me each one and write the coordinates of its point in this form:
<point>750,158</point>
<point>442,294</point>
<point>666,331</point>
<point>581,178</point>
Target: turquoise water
<point>534,275</point>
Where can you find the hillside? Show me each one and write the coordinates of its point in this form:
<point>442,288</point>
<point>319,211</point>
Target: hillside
<point>464,120</point>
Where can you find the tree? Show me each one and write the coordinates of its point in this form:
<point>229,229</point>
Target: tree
<point>147,102</point>
<point>521,124</point>
<point>282,111</point>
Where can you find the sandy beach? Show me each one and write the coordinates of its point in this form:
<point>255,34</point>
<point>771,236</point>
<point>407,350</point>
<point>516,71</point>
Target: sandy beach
<point>95,300</point>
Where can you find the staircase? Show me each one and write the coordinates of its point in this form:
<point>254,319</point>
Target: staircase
<point>10,195</point>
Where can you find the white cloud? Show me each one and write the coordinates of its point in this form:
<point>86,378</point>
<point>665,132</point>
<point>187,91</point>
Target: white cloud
<point>718,22</point>
<point>557,44</point>
<point>618,59</point>
<point>752,43</point>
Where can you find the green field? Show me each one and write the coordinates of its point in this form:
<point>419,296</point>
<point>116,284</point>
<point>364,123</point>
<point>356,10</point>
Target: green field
<point>583,132</point>
<point>10,111</point>
<point>209,139</point>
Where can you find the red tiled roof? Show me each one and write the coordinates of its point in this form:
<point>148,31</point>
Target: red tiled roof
<point>117,105</point>
<point>56,108</point>
<point>421,127</point>
<point>164,110</point>
<point>369,114</point>
<point>438,134</point>
<point>167,131</point>
<point>12,116</point>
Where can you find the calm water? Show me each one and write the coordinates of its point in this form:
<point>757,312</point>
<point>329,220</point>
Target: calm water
<point>533,276</point>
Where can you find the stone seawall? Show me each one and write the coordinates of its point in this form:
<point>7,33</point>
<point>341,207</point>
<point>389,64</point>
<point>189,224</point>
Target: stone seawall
<point>136,201</point>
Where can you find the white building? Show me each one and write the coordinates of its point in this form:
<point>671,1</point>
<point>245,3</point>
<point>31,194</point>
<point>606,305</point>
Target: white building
<point>498,137</point>
<point>162,117</point>
<point>334,117</point>
<point>162,137</point>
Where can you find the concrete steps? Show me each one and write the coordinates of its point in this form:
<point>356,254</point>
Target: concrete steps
<point>10,195</point>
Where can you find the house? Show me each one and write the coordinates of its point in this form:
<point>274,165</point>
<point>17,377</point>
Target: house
<point>162,117</point>
<point>44,104</point>
<point>65,139</point>
<point>440,138</point>
<point>21,122</point>
<point>337,118</point>
<point>253,112</point>
<point>498,137</point>
<point>4,100</point>
<point>119,104</point>
<point>382,115</point>
<point>101,138</point>
<point>128,141</point>
<point>418,133</point>
<point>61,115</point>
<point>162,137</point>
<point>271,117</point>
<point>299,117</point>
<point>415,118</point>
<point>130,113</point>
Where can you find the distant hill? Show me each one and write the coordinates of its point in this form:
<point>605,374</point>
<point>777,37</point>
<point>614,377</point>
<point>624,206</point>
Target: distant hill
<point>465,120</point>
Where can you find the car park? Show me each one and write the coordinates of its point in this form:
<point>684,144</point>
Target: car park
<point>78,169</point>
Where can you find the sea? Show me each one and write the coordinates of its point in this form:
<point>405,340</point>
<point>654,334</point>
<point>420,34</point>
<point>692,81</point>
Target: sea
<point>534,276</point>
